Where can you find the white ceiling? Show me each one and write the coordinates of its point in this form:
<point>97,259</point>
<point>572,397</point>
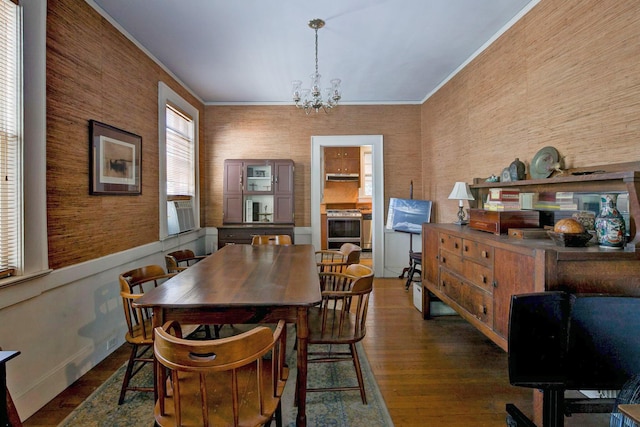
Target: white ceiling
<point>249,51</point>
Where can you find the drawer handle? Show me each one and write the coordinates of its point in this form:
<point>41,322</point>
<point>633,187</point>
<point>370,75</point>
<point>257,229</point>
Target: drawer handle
<point>455,245</point>
<point>441,240</point>
<point>444,260</point>
<point>444,284</point>
<point>484,309</point>
<point>495,284</point>
<point>466,248</point>
<point>485,254</point>
<point>483,278</point>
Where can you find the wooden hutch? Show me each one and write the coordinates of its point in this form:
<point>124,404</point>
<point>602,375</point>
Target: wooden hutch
<point>476,272</point>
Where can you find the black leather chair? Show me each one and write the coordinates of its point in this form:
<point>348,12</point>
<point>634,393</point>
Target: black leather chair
<point>560,341</point>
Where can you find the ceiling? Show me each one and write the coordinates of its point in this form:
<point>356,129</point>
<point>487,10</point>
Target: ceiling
<point>249,51</point>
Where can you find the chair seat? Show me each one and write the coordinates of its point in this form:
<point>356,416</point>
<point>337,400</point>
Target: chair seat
<point>219,398</point>
<point>138,338</point>
<point>334,332</point>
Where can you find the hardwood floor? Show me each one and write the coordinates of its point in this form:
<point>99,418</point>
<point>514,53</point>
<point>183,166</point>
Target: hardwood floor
<point>440,372</point>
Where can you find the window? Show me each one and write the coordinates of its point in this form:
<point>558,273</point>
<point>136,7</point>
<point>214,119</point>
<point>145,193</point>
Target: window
<point>10,140</point>
<point>180,154</point>
<point>367,172</point>
<point>179,191</point>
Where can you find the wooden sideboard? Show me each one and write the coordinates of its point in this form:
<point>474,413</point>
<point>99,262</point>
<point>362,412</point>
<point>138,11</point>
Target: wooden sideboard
<point>477,272</point>
<point>243,233</point>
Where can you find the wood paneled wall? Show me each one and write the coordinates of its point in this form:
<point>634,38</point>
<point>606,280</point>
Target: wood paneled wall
<point>285,132</point>
<point>95,72</point>
<point>567,75</point>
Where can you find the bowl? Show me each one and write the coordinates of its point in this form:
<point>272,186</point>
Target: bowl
<point>572,240</point>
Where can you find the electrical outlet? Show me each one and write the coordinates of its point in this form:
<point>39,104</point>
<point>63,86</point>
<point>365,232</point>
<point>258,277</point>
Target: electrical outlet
<point>111,343</point>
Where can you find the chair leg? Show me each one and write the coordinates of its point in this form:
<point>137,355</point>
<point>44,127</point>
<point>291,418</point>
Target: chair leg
<point>356,364</point>
<point>130,372</point>
<point>279,414</point>
<point>127,373</point>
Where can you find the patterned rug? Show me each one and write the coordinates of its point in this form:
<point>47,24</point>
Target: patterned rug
<point>327,409</point>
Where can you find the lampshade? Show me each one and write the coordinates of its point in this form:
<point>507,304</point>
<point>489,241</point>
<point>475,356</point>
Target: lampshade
<point>461,191</point>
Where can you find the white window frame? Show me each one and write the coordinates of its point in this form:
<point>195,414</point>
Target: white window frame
<point>166,95</point>
<point>35,261</point>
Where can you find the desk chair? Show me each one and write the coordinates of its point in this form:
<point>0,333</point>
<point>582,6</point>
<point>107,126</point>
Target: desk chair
<point>341,320</point>
<point>180,260</point>
<point>336,261</point>
<point>220,382</point>
<point>266,239</point>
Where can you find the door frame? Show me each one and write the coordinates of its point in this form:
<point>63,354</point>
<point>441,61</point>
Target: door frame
<point>377,199</point>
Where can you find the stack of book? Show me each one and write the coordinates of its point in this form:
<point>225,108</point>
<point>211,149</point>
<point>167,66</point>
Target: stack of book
<point>500,199</point>
<point>549,201</point>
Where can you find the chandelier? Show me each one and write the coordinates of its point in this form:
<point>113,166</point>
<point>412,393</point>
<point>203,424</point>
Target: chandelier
<point>311,99</point>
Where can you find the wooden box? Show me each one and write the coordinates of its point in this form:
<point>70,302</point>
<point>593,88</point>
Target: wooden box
<point>499,222</point>
<point>528,233</point>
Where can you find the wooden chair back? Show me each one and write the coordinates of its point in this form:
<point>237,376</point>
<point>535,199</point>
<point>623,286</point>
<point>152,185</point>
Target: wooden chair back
<point>180,260</point>
<point>345,301</point>
<point>274,239</point>
<point>351,252</point>
<point>225,381</point>
<point>133,285</point>
<point>336,261</point>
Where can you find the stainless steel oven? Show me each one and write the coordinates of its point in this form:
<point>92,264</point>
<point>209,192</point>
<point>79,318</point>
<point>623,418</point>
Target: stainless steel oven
<point>343,226</point>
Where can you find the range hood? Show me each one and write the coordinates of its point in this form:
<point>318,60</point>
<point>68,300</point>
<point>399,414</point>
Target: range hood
<point>343,177</point>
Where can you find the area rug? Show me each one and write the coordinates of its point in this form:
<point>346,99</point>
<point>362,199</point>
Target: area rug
<point>326,409</point>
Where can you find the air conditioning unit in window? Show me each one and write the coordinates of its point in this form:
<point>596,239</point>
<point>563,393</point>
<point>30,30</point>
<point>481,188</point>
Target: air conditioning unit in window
<point>180,216</point>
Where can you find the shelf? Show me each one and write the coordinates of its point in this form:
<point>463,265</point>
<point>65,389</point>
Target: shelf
<point>614,178</point>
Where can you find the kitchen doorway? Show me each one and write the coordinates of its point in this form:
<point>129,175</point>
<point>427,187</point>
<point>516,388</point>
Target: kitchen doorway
<point>377,199</point>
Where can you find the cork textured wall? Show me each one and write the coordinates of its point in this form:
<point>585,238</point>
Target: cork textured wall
<point>95,72</point>
<point>285,132</point>
<point>566,75</point>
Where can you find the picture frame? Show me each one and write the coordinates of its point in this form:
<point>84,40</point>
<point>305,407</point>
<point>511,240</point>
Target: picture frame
<point>115,160</point>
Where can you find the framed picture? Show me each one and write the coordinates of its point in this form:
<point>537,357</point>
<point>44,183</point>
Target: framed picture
<point>115,160</point>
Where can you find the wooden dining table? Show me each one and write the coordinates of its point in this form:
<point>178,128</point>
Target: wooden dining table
<point>245,284</point>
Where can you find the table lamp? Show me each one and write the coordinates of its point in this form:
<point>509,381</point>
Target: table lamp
<point>461,192</point>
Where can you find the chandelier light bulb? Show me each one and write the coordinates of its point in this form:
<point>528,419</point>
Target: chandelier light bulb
<point>312,99</point>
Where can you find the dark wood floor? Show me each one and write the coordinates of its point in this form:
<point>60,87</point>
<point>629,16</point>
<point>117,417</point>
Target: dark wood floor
<point>440,372</point>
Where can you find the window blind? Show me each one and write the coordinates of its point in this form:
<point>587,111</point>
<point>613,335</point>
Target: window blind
<point>180,153</point>
<point>10,120</point>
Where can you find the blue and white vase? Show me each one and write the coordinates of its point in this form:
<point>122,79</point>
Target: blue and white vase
<point>610,225</point>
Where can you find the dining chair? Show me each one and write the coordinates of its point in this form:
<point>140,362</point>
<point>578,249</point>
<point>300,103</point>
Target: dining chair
<point>273,239</point>
<point>133,284</point>
<point>227,381</point>
<point>181,260</point>
<point>341,320</point>
<point>336,261</point>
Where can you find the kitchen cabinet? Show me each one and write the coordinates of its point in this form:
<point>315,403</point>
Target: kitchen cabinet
<point>258,191</point>
<point>342,160</point>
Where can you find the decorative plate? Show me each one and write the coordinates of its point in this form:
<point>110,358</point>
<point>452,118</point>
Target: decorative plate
<point>506,175</point>
<point>543,163</point>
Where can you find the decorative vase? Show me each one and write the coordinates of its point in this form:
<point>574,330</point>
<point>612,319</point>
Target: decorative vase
<point>610,226</point>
